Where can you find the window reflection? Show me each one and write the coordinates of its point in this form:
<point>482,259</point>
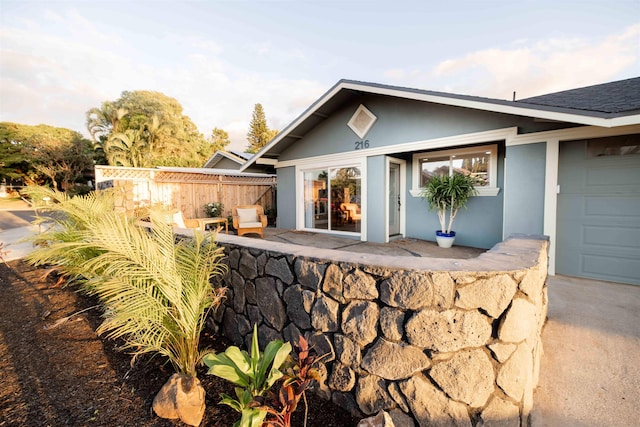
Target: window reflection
<point>475,164</point>
<point>333,199</point>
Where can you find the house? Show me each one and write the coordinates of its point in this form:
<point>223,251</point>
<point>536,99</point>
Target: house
<point>566,165</point>
<point>226,160</point>
<point>234,160</point>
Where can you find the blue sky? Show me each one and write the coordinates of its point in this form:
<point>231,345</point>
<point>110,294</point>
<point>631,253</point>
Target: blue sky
<point>58,59</point>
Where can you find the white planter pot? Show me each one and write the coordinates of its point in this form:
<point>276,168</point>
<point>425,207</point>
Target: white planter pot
<point>445,240</point>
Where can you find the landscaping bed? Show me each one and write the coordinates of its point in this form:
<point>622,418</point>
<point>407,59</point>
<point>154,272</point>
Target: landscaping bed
<point>56,371</point>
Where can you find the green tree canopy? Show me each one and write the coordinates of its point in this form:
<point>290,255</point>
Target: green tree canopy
<point>219,140</point>
<point>44,154</point>
<point>145,129</point>
<point>259,133</point>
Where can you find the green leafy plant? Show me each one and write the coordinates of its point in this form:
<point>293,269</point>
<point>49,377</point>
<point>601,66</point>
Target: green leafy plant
<point>254,373</point>
<point>214,209</point>
<point>64,221</point>
<point>447,194</point>
<point>156,291</point>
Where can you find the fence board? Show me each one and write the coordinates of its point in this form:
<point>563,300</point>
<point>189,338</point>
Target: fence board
<point>187,191</point>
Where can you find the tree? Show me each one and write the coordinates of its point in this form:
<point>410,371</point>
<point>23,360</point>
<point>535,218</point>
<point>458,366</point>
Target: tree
<point>259,133</point>
<point>125,149</point>
<point>40,154</point>
<point>14,164</point>
<point>163,134</point>
<point>101,122</point>
<point>219,140</point>
<point>156,291</point>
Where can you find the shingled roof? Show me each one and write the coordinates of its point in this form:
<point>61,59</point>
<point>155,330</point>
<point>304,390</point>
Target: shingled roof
<point>616,97</point>
<point>604,105</point>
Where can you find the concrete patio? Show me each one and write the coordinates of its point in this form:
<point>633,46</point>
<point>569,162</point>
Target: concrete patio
<point>399,247</point>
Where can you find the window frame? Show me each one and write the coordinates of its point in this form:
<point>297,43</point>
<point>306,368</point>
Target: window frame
<point>492,149</point>
<point>300,171</point>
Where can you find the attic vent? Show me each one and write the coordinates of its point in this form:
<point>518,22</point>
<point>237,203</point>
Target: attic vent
<point>361,121</point>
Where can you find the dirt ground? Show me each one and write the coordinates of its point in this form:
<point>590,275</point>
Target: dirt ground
<point>55,371</point>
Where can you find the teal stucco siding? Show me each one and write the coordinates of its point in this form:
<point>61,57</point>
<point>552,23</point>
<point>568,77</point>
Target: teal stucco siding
<point>286,200</point>
<point>524,191</point>
<point>376,199</point>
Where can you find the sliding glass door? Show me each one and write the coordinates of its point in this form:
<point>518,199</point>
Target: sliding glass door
<point>333,199</point>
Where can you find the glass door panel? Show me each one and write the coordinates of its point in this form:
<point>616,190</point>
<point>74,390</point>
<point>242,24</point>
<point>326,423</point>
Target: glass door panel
<point>315,200</point>
<point>346,199</point>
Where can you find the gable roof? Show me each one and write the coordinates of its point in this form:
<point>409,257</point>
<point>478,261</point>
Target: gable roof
<point>568,106</point>
<point>241,154</point>
<point>219,155</point>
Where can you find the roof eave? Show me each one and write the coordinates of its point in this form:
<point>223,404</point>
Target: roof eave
<point>498,106</point>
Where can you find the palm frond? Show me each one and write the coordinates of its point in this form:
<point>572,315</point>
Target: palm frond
<point>156,291</point>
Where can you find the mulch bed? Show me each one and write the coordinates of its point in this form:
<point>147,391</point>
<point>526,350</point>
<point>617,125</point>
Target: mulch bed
<point>57,372</point>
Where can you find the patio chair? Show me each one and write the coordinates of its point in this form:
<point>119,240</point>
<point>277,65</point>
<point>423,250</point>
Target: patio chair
<point>178,220</point>
<point>352,211</point>
<point>249,219</point>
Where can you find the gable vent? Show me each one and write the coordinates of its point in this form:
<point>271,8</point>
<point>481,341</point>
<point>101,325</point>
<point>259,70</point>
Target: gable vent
<point>361,121</point>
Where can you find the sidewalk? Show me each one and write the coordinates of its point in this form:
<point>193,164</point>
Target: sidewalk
<point>15,225</point>
<point>13,245</point>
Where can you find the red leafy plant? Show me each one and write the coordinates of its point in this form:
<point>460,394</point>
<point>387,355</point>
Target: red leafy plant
<point>299,374</point>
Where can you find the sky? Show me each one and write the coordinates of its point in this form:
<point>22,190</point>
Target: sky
<point>58,59</point>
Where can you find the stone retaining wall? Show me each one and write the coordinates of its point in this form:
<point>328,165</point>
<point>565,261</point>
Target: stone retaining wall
<point>431,341</point>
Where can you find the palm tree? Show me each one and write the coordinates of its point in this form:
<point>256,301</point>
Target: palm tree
<point>156,292</point>
<point>126,149</point>
<point>101,122</point>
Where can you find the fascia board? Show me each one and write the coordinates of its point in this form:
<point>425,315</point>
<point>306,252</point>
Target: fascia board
<point>570,134</point>
<point>301,118</point>
<point>528,111</point>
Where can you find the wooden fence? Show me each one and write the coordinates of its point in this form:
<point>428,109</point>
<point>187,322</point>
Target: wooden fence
<point>187,189</point>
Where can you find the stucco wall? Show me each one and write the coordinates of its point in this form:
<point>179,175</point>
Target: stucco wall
<point>524,193</point>
<point>286,198</point>
<point>376,199</point>
<point>400,121</point>
<point>432,341</point>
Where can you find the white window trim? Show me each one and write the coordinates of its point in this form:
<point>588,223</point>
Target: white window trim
<point>402,189</point>
<point>300,170</point>
<point>492,190</point>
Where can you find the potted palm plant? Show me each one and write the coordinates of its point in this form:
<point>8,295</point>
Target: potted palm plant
<point>447,194</point>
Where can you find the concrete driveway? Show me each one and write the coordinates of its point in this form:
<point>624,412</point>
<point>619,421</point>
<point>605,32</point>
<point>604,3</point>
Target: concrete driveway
<point>590,373</point>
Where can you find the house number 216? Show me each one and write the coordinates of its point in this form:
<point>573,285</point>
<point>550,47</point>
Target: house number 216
<point>359,145</point>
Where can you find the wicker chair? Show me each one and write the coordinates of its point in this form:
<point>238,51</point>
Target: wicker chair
<point>249,219</point>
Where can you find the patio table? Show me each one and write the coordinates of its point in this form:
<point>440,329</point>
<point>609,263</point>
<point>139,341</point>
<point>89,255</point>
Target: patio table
<point>203,222</point>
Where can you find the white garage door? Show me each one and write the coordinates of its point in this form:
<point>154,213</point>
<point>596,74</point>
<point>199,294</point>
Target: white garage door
<point>598,234</point>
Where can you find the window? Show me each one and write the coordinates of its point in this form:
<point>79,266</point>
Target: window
<point>480,162</point>
<point>624,145</point>
<point>333,199</point>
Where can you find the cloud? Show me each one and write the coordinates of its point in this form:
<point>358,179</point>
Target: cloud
<point>56,64</point>
<point>534,67</point>
<point>55,69</point>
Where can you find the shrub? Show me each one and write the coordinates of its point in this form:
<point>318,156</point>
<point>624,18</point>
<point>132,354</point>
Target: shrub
<point>257,373</point>
<point>214,209</point>
<point>156,292</point>
<point>254,374</point>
